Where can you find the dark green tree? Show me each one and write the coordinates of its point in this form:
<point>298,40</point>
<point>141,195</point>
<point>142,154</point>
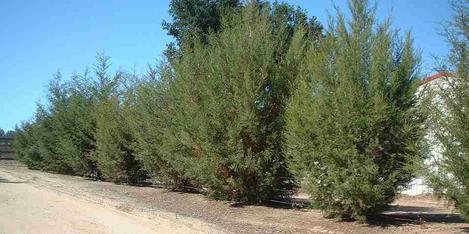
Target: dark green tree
<point>10,133</point>
<point>198,17</point>
<point>353,126</point>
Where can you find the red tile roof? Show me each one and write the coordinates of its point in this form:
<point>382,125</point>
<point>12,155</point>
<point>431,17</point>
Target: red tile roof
<point>436,76</point>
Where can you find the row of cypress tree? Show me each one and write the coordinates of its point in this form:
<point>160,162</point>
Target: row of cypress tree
<point>247,106</point>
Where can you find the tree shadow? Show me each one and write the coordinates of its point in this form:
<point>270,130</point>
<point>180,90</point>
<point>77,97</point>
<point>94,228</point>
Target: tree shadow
<point>5,181</point>
<point>405,215</point>
<point>395,216</point>
<point>280,203</point>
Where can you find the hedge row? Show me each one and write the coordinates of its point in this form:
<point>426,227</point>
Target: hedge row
<point>249,112</point>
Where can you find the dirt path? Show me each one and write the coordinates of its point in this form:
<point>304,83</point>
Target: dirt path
<point>39,202</point>
<point>27,209</point>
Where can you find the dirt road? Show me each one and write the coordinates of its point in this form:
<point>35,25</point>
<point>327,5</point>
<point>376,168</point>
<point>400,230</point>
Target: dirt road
<point>39,202</point>
<point>25,208</point>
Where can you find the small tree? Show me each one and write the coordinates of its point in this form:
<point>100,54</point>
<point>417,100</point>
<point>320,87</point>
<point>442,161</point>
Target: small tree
<point>353,126</point>
<point>449,171</point>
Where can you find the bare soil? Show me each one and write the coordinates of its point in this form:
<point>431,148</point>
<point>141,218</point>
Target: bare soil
<point>78,205</point>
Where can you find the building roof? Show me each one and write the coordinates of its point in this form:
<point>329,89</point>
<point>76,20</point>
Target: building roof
<point>436,76</point>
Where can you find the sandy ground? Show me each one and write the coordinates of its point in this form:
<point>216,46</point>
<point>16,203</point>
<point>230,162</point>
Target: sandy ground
<point>27,209</point>
<point>39,202</point>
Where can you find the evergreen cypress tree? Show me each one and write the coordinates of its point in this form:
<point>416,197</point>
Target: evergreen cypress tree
<point>113,155</point>
<point>449,170</point>
<point>353,127</point>
<point>33,145</point>
<point>222,125</point>
<point>73,123</point>
<point>146,104</point>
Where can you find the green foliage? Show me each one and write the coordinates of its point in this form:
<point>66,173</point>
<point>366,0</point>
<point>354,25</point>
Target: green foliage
<point>285,18</point>
<point>35,144</point>
<point>114,156</point>
<point>222,130</point>
<point>145,110</point>
<point>62,136</point>
<point>198,17</point>
<point>195,19</point>
<point>353,128</point>
<point>9,133</point>
<point>73,124</point>
<point>26,146</point>
<point>449,174</point>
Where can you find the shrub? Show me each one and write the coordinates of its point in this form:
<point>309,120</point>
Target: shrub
<point>353,127</point>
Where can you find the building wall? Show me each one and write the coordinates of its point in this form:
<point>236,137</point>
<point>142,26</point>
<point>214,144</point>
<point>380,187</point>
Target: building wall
<point>431,87</point>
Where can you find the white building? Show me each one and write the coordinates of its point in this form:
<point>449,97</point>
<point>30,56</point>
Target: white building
<point>431,85</point>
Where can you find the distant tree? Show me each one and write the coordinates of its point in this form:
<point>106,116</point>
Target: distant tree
<point>10,133</point>
<point>198,17</point>
<point>449,170</point>
<point>2,133</point>
<point>26,146</point>
<point>353,126</point>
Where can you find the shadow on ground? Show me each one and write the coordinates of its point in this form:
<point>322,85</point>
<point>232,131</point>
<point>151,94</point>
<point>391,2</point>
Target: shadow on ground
<point>395,216</point>
<point>416,215</point>
<point>5,181</point>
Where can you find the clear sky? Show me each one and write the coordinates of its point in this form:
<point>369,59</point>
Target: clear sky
<point>40,37</point>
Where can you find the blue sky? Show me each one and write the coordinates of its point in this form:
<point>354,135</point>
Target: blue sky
<point>40,37</point>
